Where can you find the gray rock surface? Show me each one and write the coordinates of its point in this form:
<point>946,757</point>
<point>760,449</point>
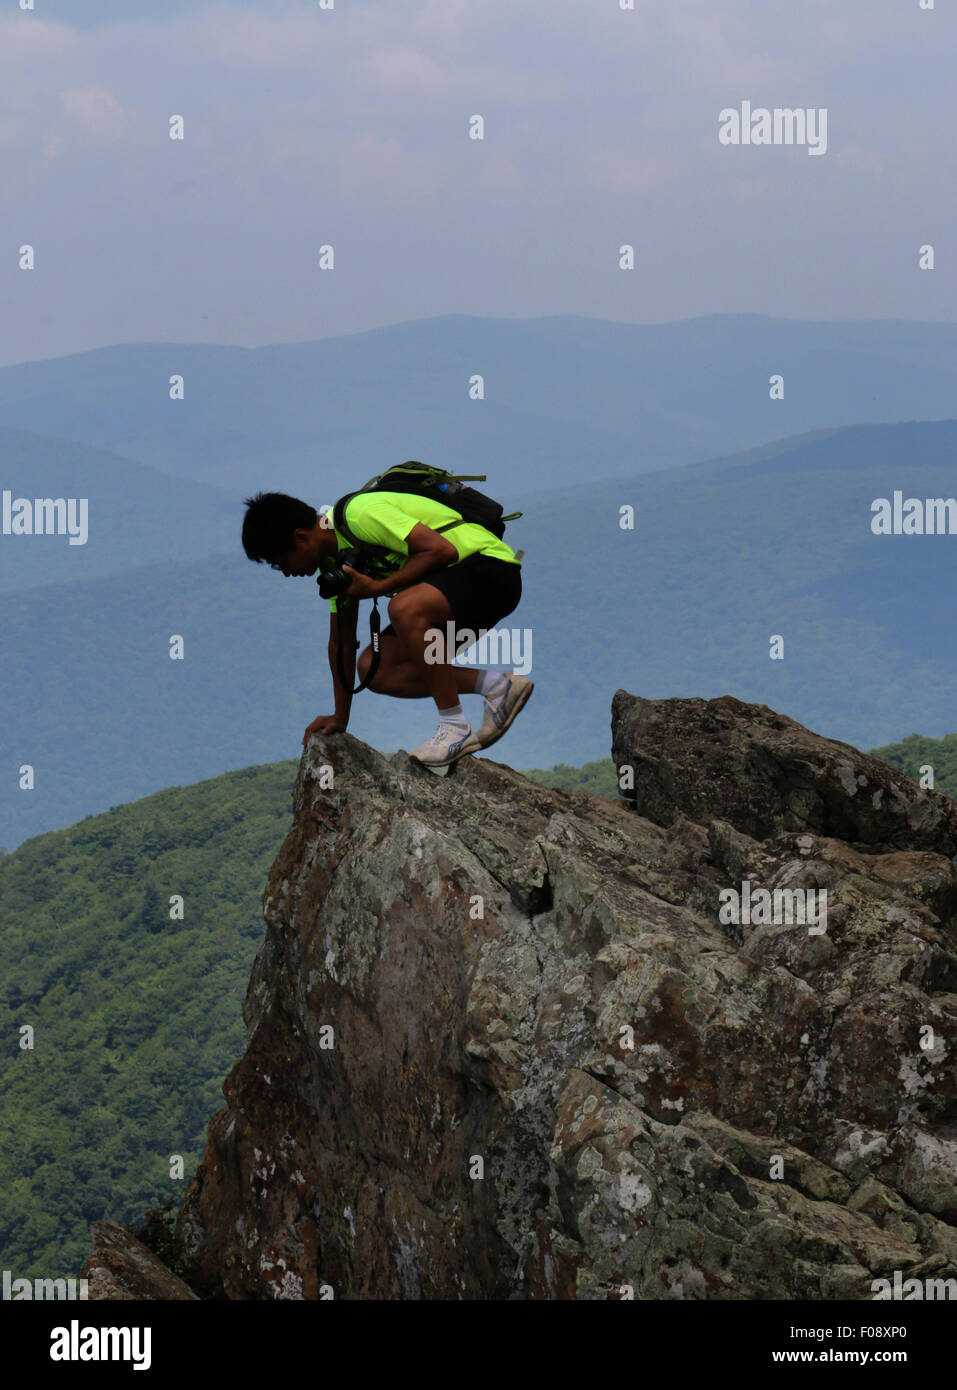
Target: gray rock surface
<point>122,1268</point>
<point>765,774</point>
<point>502,1046</point>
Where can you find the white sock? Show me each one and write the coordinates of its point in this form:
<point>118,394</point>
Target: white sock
<point>491,684</point>
<point>455,716</point>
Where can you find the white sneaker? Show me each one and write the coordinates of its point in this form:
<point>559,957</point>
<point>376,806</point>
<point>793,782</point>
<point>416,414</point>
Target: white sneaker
<point>500,711</point>
<point>446,746</point>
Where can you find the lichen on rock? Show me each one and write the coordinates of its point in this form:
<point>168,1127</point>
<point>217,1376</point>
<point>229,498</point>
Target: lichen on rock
<point>514,1052</point>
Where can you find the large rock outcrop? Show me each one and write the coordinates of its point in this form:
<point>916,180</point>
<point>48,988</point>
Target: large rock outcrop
<point>504,1042</point>
<point>121,1268</point>
<point>764,773</point>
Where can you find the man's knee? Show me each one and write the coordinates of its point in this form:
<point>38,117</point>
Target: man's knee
<point>402,609</point>
<point>417,605</point>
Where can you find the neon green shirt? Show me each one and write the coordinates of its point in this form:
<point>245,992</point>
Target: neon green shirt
<point>386,518</point>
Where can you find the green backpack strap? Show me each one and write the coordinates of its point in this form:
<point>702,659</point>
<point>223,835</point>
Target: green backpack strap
<point>338,514</point>
<point>512,516</point>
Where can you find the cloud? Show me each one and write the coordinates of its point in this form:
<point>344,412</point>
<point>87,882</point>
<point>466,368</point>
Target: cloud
<point>37,41</point>
<point>247,39</point>
<point>407,70</point>
<point>377,165</point>
<point>619,172</point>
<point>12,130</point>
<point>94,108</point>
<point>600,123</point>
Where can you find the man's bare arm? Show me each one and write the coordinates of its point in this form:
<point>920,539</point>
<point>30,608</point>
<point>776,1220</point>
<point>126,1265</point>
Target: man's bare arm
<point>428,550</point>
<point>346,622</point>
<point>338,722</point>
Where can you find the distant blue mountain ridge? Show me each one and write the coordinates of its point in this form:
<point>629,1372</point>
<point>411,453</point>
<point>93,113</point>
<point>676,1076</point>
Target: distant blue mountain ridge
<point>566,398</point>
<point>724,555</point>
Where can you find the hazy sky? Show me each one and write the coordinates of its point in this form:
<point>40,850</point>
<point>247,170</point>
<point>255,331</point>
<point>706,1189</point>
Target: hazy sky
<point>349,126</point>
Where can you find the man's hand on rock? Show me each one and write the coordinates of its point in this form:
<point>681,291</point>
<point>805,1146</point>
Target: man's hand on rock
<point>324,724</point>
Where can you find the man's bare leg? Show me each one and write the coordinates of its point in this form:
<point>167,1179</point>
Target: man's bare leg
<point>416,613</point>
<point>420,616</point>
<point>398,675</point>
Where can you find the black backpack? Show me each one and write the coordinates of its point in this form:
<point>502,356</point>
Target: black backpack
<point>437,484</point>
<point>424,481</point>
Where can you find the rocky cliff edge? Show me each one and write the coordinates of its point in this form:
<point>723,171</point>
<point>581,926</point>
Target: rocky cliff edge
<point>513,1043</point>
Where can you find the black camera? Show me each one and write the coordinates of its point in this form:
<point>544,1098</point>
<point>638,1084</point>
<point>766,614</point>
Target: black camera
<point>334,581</point>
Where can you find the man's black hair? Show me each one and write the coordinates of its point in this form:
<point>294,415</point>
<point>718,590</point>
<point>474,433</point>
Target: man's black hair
<point>271,518</point>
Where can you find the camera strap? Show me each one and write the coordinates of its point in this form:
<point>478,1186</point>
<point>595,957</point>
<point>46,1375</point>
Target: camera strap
<point>374,625</point>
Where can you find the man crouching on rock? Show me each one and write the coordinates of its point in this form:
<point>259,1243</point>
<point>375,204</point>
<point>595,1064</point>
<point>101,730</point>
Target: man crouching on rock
<point>471,580</point>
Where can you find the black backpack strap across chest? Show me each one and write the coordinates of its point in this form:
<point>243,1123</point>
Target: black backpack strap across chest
<point>375,554</point>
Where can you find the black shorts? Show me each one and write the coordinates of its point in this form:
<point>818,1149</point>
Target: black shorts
<point>481,591</point>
